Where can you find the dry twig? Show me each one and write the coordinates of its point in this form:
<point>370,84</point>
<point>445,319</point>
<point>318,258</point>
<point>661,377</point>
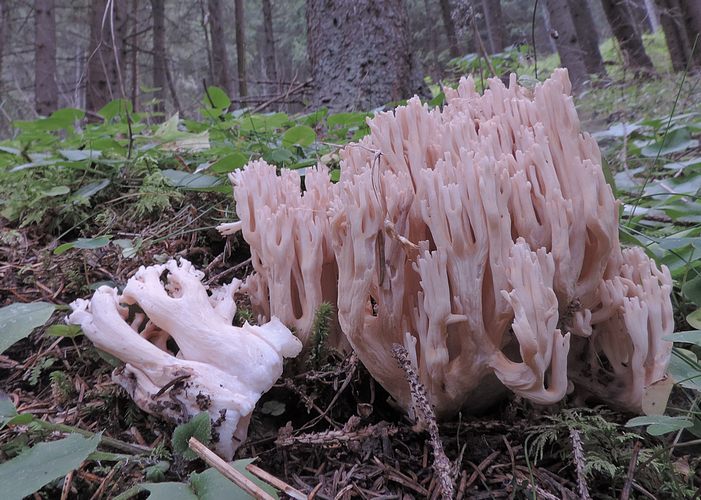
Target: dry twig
<point>228,471</point>
<point>423,410</point>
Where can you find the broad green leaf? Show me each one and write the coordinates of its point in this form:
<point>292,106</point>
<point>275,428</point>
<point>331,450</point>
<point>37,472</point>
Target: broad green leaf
<point>68,331</point>
<point>278,155</point>
<point>44,462</point>
<point>684,367</point>
<point>199,426</point>
<point>186,180</point>
<point>12,151</point>
<point>90,189</point>
<point>694,319</point>
<point>79,154</point>
<point>660,424</point>
<point>169,491</point>
<point>346,120</point>
<point>66,117</point>
<point>688,337</point>
<point>229,163</point>
<point>19,320</point>
<point>212,485</point>
<point>57,191</point>
<point>117,107</point>
<point>216,98</point>
<point>300,134</point>
<point>675,141</point>
<point>84,244</point>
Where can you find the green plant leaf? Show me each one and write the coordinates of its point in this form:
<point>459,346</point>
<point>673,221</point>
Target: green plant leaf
<point>80,154</point>
<point>675,141</point>
<point>66,117</point>
<point>44,462</point>
<point>688,337</point>
<point>299,134</point>
<point>229,163</point>
<point>684,367</point>
<point>199,426</point>
<point>19,320</point>
<point>90,189</point>
<point>84,244</point>
<point>117,107</point>
<point>169,491</point>
<point>694,319</point>
<point>219,99</point>
<point>660,424</point>
<point>57,191</point>
<point>186,180</point>
<point>68,331</point>
<point>212,485</point>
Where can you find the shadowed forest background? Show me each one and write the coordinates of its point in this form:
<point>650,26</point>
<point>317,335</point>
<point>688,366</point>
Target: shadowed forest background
<point>292,55</point>
<point>121,122</point>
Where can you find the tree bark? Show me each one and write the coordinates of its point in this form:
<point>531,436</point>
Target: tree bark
<point>495,25</point>
<point>691,12</point>
<point>220,57</point>
<point>652,15</point>
<point>240,47</point>
<point>135,55</point>
<point>45,88</point>
<point>359,53</point>
<point>622,25</point>
<point>679,40</point>
<point>638,9</point>
<point>106,55</point>
<point>3,13</point>
<point>567,43</point>
<point>587,36</point>
<point>447,12</point>
<point>158,80</point>
<point>269,47</point>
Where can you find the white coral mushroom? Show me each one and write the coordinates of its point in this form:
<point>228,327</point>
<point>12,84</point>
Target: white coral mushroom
<point>220,368</point>
<point>483,237</point>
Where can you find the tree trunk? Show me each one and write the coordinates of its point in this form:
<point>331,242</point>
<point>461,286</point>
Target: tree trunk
<point>135,55</point>
<point>691,11</point>
<point>240,47</point>
<point>653,15</point>
<point>675,32</point>
<point>106,56</point>
<point>447,12</point>
<point>359,53</point>
<point>567,43</point>
<point>640,15</point>
<point>159,57</point>
<point>269,47</point>
<point>622,25</point>
<point>3,13</point>
<point>45,88</point>
<point>549,29</point>
<point>220,58</point>
<point>495,25</point>
<point>587,36</point>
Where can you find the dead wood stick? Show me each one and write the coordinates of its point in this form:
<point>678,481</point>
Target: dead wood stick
<point>625,493</point>
<point>276,482</point>
<point>228,471</point>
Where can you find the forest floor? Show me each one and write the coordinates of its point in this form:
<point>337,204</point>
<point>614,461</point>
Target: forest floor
<point>330,430</point>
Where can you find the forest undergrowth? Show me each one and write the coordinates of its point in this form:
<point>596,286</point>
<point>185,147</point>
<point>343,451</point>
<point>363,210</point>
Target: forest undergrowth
<point>86,204</point>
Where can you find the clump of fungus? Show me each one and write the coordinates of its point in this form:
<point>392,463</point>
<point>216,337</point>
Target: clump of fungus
<point>219,368</point>
<point>483,237</point>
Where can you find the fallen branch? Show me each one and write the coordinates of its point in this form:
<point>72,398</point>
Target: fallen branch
<point>228,471</point>
<point>424,411</point>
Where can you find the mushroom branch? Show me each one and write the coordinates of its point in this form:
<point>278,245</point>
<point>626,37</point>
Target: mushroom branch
<point>219,368</point>
<point>481,236</point>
